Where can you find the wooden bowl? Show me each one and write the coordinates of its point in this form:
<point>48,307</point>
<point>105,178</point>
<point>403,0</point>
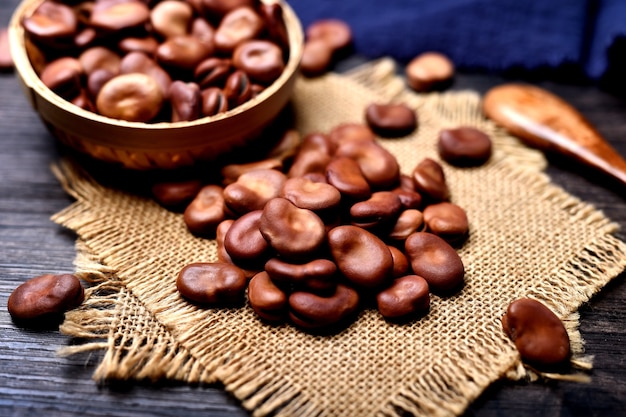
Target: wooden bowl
<point>163,145</point>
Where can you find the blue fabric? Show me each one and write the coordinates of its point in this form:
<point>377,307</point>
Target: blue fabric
<point>491,35</point>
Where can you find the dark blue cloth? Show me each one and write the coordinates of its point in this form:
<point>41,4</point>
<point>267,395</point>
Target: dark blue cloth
<point>491,35</point>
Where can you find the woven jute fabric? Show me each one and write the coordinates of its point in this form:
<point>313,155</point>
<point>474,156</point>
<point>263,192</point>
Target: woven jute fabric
<point>528,238</point>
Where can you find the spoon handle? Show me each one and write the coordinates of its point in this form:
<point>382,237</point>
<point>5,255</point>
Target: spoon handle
<point>545,121</point>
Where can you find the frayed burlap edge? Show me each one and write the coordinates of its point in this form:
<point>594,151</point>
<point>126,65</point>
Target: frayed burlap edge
<point>158,355</point>
<point>151,354</point>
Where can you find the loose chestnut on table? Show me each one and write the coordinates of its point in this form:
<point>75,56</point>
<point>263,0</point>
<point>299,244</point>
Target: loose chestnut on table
<point>538,333</point>
<point>326,39</point>
<point>42,300</point>
<point>429,71</point>
<point>391,119</point>
<point>464,146</point>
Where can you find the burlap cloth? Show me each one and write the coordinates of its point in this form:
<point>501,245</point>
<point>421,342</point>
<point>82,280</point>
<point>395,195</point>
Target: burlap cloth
<point>528,238</point>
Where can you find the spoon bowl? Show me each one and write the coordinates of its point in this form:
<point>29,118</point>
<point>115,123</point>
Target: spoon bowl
<point>544,121</point>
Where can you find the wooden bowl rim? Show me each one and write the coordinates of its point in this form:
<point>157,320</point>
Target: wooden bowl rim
<point>36,86</point>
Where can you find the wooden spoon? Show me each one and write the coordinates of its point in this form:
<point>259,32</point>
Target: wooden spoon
<point>545,121</point>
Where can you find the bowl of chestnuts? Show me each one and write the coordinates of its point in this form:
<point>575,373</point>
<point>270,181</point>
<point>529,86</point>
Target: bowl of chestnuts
<point>156,84</point>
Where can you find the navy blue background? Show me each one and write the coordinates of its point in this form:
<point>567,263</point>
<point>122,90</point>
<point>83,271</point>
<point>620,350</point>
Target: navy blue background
<point>485,35</point>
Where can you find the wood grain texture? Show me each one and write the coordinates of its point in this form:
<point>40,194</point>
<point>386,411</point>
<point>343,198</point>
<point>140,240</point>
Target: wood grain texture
<point>34,381</point>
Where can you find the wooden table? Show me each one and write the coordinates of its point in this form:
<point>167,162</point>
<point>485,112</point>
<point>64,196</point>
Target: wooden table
<point>34,381</point>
